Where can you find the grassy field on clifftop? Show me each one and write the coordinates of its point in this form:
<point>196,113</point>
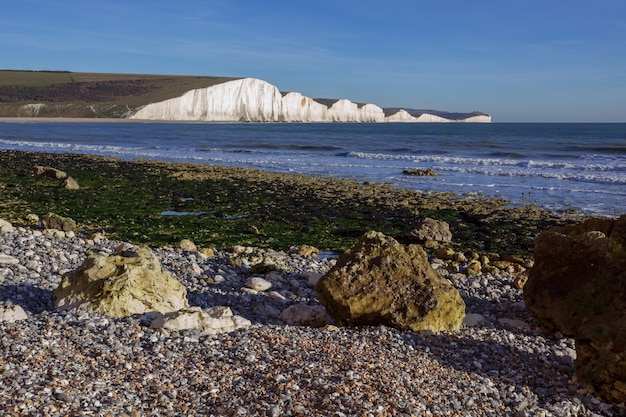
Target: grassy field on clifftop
<point>234,206</point>
<point>76,94</point>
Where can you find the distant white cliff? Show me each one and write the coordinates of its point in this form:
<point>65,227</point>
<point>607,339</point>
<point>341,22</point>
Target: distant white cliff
<point>405,116</point>
<point>254,100</point>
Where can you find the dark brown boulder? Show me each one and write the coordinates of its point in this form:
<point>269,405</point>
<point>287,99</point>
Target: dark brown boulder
<point>578,286</point>
<point>601,357</point>
<point>579,274</point>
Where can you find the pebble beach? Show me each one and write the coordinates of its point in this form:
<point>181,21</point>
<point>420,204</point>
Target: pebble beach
<point>500,363</point>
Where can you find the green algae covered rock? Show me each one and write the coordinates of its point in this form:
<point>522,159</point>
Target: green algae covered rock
<point>381,281</point>
<point>121,285</point>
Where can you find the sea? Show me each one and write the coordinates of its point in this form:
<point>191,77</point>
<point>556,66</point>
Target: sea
<point>563,167</point>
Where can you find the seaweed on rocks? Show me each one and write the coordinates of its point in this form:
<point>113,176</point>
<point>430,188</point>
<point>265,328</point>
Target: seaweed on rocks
<point>127,200</point>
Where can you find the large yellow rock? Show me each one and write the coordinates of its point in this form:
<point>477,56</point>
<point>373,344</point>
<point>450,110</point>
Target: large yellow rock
<point>121,285</point>
<point>381,281</point>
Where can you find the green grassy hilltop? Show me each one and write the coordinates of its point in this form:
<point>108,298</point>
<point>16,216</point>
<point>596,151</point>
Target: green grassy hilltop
<point>82,94</point>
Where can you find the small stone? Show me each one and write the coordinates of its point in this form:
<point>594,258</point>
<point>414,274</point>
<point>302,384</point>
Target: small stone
<point>98,237</point>
<point>11,313</point>
<point>431,244</point>
<point>308,250</point>
<point>238,249</point>
<point>70,183</point>
<point>32,219</point>
<point>5,226</point>
<point>206,279</point>
<point>489,269</point>
<point>277,296</point>
<point>259,284</point>
<point>312,277</point>
<point>459,257</point>
<point>445,253</point>
<point>513,259</point>
<point>187,244</point>
<point>474,320</point>
<point>207,252</point>
<point>124,247</point>
<point>520,280</point>
<point>493,256</point>
<point>505,266</point>
<point>304,315</point>
<point>8,259</point>
<point>474,268</point>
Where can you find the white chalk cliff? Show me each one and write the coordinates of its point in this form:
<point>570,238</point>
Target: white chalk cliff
<point>405,116</point>
<point>254,100</point>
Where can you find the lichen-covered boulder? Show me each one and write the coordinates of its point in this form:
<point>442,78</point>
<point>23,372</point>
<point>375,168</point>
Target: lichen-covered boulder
<point>121,285</point>
<point>381,281</point>
<point>578,286</point>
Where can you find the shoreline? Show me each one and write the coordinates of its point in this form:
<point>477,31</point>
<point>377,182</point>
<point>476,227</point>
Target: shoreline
<point>586,185</point>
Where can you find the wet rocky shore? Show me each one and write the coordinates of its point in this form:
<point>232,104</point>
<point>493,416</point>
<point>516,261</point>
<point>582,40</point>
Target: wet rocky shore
<point>159,203</point>
<point>501,361</point>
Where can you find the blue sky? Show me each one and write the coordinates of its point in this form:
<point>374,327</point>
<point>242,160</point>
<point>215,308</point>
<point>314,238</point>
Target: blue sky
<point>518,60</point>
